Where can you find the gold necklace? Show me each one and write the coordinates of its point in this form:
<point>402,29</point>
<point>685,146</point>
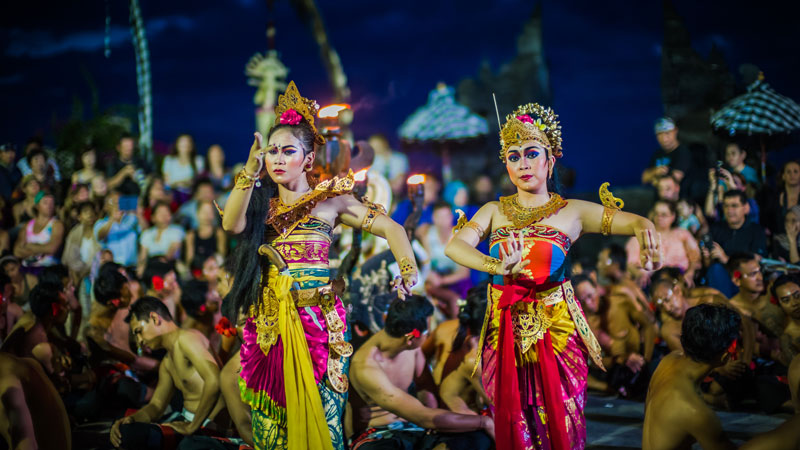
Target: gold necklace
<point>522,216</point>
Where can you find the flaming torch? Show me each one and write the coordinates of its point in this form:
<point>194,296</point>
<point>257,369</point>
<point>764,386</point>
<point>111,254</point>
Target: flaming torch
<point>332,131</point>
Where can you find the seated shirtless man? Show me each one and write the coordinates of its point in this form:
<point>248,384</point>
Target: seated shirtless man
<point>188,367</point>
<point>384,369</point>
<point>32,415</point>
<point>786,289</point>
<point>460,387</point>
<point>675,414</point>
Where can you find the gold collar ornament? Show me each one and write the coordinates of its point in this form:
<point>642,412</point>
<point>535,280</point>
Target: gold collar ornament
<point>284,218</point>
<point>521,216</point>
<point>531,122</point>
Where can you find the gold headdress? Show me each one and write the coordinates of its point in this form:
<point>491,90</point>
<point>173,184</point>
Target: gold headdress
<point>292,107</point>
<point>531,122</point>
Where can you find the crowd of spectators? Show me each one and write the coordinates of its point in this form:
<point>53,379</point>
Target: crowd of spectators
<point>100,267</point>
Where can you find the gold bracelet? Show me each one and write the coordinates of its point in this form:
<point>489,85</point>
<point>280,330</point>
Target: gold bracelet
<point>491,265</point>
<point>406,268</point>
<point>373,211</point>
<point>608,217</point>
<point>245,181</point>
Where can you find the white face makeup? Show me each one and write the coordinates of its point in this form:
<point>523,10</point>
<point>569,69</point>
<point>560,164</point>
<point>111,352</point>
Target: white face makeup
<point>528,165</point>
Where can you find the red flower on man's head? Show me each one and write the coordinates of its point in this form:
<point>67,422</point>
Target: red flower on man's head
<point>158,283</point>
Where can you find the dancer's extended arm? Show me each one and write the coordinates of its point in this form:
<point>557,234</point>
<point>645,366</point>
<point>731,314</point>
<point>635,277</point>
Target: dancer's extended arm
<point>234,219</point>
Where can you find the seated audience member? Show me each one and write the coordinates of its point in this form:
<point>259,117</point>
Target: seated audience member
<point>735,157</point>
<point>154,193</point>
<point>679,246</point>
<point>32,415</point>
<point>690,216</point>
<point>447,281</point>
<point>86,167</point>
<point>118,232</point>
<point>10,312</point>
<point>35,144</point>
<point>675,414</point>
<point>10,174</point>
<point>112,294</point>
<point>126,172</point>
<point>439,348</point>
<point>31,336</point>
<point>669,295</point>
<point>57,277</point>
<point>461,388</point>
<point>630,324</point>
<point>182,166</point>
<point>595,308</point>
<point>161,282</point>
<point>40,239</point>
<point>752,300</point>
<point>68,212</point>
<point>733,235</point>
<point>216,171</point>
<point>188,367</point>
<point>788,196</point>
<point>201,311</point>
<point>786,289</point>
<point>40,169</point>
<point>25,210</point>
<point>163,238</point>
<point>611,264</point>
<point>383,370</point>
<point>786,246</point>
<point>202,192</point>
<point>80,250</point>
<point>672,156</point>
<point>207,238</point>
<point>21,281</point>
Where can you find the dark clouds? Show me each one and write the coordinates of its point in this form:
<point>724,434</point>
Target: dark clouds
<point>604,60</point>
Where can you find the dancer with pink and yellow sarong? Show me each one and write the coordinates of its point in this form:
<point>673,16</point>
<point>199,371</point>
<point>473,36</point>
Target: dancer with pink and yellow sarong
<point>295,353</point>
<point>535,341</point>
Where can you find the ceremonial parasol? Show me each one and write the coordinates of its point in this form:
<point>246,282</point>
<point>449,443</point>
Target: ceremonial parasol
<point>442,121</point>
<point>760,112</point>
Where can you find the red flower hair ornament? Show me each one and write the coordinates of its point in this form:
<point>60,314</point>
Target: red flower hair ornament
<point>158,283</point>
<point>414,333</point>
<point>737,274</point>
<point>290,117</point>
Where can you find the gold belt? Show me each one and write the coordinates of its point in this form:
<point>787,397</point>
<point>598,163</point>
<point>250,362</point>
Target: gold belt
<point>311,296</point>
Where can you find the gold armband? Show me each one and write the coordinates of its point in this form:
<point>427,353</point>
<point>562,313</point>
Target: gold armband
<point>406,267</point>
<point>373,211</point>
<point>491,265</point>
<point>612,205</point>
<point>462,222</point>
<point>474,225</point>
<point>608,217</point>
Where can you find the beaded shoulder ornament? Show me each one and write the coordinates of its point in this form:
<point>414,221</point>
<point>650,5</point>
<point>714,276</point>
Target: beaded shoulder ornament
<point>531,122</point>
<point>284,218</point>
<point>292,107</point>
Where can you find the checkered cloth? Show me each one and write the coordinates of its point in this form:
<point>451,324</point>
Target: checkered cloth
<point>759,111</point>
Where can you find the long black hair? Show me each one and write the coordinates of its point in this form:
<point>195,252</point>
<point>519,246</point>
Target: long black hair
<point>244,263</point>
<point>470,316</point>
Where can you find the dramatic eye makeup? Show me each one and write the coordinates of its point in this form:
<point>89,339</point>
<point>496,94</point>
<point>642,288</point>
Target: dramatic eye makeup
<point>513,155</point>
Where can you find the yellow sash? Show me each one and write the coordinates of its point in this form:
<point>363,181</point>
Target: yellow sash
<point>305,416</point>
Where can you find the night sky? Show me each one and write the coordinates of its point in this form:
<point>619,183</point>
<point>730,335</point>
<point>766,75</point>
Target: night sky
<point>604,60</point>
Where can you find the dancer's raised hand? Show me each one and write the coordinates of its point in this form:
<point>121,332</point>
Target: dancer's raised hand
<point>512,259</point>
<point>255,162</point>
<point>651,253</point>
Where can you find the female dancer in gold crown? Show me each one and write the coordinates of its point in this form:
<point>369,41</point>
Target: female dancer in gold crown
<point>535,337</point>
<point>294,354</point>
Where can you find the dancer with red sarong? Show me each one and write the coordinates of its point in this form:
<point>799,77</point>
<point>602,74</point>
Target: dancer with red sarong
<point>535,339</point>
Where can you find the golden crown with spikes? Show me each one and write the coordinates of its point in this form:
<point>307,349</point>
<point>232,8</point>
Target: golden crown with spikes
<point>305,107</point>
<point>531,122</point>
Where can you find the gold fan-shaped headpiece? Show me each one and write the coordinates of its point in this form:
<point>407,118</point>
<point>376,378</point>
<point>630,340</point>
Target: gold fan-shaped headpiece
<point>291,100</point>
<point>531,122</point>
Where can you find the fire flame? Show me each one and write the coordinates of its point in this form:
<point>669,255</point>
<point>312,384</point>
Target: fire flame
<point>332,110</point>
<point>361,175</point>
<point>416,179</point>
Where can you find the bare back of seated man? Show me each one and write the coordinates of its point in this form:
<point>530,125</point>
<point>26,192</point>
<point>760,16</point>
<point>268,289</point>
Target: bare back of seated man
<point>382,372</point>
<point>32,414</point>
<point>189,367</point>
<point>675,414</point>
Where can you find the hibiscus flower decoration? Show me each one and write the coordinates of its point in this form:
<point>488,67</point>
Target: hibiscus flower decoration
<point>224,327</point>
<point>290,117</point>
<point>525,118</point>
